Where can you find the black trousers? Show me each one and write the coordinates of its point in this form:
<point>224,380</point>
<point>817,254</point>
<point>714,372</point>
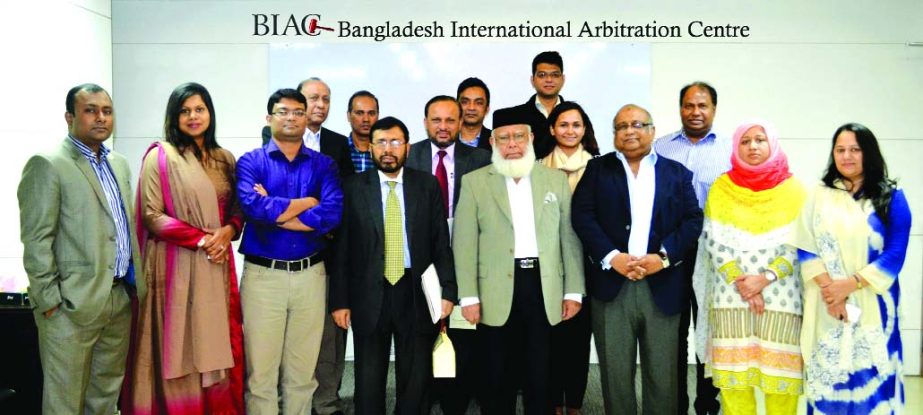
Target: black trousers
<point>706,399</point>
<point>455,394</point>
<point>570,365</point>
<point>519,352</point>
<point>413,350</point>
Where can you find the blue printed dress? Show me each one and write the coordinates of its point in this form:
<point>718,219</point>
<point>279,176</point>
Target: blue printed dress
<point>853,367</point>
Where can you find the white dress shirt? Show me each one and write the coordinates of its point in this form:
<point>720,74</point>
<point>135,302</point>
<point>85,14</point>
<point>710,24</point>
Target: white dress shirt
<point>312,139</point>
<point>399,189</point>
<point>525,241</point>
<point>641,189</point>
<point>449,163</point>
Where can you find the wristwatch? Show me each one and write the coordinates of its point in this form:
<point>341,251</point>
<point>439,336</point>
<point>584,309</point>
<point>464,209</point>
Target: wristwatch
<point>770,275</point>
<point>664,259</point>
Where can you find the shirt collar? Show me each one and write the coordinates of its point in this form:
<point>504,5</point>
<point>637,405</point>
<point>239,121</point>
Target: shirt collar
<point>541,108</point>
<point>709,136</point>
<point>352,145</point>
<point>308,134</point>
<point>86,151</point>
<point>382,179</point>
<point>271,148</point>
<point>450,150</point>
<point>649,158</point>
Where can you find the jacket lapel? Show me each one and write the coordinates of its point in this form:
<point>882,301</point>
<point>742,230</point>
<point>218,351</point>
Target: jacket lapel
<point>620,180</point>
<point>373,200</point>
<point>538,194</point>
<point>84,166</point>
<point>411,197</point>
<point>498,190</point>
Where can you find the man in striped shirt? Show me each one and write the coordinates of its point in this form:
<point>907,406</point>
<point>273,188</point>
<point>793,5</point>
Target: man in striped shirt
<point>80,254</point>
<point>708,155</point>
<point>361,113</point>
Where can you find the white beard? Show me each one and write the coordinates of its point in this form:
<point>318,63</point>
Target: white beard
<point>516,168</point>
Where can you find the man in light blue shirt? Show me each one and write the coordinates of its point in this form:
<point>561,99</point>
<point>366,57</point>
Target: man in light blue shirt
<point>707,154</point>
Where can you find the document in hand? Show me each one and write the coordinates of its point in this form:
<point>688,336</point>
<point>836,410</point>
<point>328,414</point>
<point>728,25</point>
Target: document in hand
<point>433,292</point>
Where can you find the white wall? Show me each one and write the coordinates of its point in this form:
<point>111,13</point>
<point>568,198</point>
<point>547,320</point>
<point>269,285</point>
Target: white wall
<point>808,66</point>
<point>47,47</point>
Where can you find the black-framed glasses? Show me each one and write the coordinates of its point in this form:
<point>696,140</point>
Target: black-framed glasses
<point>553,75</point>
<point>285,114</point>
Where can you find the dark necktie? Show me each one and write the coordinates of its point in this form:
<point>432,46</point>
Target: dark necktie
<point>443,178</point>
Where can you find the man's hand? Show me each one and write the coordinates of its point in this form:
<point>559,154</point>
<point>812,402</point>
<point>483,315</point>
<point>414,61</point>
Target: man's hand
<point>620,264</point>
<point>446,308</point>
<point>570,308</point>
<point>51,311</point>
<point>472,313</point>
<point>341,318</point>
<point>260,189</point>
<point>750,285</point>
<point>641,267</point>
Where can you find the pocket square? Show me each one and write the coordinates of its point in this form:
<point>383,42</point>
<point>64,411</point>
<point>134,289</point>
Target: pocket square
<point>550,198</point>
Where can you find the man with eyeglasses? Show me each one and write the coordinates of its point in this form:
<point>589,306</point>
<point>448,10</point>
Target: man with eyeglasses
<point>707,154</point>
<point>518,265</point>
<point>393,229</point>
<point>637,216</point>
<point>361,112</point>
<point>547,78</point>
<point>291,198</point>
<point>81,255</point>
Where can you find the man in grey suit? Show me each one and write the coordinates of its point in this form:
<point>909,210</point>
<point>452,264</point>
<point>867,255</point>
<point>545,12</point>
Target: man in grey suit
<point>449,161</point>
<point>80,254</point>
<point>518,265</point>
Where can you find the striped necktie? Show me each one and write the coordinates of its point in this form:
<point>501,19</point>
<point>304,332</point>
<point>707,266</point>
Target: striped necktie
<point>394,237</point>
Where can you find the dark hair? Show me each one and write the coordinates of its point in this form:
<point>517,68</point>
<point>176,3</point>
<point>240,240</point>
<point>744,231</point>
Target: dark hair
<point>285,93</point>
<point>171,132</point>
<point>362,93</point>
<point>72,95</point>
<point>876,186</point>
<point>550,57</point>
<point>703,85</point>
<point>589,136</point>
<point>473,83</point>
<point>440,98</point>
<point>309,80</point>
<point>388,123</point>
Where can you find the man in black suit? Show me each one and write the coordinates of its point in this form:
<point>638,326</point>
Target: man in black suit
<point>442,121</point>
<point>547,79</point>
<point>316,137</point>
<point>637,216</point>
<point>474,98</point>
<point>393,228</point>
<point>332,359</point>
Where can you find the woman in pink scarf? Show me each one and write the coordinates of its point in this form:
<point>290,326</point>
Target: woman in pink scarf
<point>188,345</point>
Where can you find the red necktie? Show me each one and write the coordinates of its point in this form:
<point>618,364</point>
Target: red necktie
<point>443,178</point>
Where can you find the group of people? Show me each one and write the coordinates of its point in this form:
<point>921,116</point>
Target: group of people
<point>537,241</point>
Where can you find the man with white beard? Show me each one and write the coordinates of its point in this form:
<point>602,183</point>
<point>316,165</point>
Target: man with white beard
<point>518,265</point>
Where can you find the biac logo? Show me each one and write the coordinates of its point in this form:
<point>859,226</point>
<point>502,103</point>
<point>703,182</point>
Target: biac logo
<point>291,25</point>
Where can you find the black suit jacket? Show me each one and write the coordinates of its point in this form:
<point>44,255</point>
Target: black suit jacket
<point>543,143</point>
<point>601,216</point>
<point>333,144</point>
<point>467,159</point>
<point>358,278</point>
<point>484,138</point>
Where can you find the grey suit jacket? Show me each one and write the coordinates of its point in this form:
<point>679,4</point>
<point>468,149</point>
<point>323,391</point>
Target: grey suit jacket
<point>483,242</point>
<point>68,232</point>
<point>467,159</point>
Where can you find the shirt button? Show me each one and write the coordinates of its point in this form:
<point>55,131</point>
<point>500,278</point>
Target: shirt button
<point>510,275</point>
<point>627,227</point>
<point>111,266</point>
<point>112,238</point>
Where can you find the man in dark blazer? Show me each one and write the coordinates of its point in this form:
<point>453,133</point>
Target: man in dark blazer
<point>474,98</point>
<point>637,216</point>
<point>316,137</point>
<point>332,359</point>
<point>393,228</point>
<point>442,120</point>
<point>547,78</point>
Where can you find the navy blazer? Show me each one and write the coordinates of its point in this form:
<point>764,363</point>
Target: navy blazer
<point>601,216</point>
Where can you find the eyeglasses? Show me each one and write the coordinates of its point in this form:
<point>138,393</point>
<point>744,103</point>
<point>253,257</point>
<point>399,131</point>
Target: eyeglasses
<point>553,75</point>
<point>634,124</point>
<point>505,139</point>
<point>388,143</point>
<point>285,114</point>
